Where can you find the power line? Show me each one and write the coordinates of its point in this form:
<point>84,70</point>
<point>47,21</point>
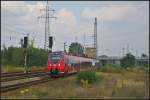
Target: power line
<point>65,47</point>
<point>11,26</point>
<point>12,30</point>
<point>14,14</point>
<point>9,12</point>
<point>47,29</point>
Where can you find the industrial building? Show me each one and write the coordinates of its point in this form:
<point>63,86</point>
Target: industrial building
<point>104,60</point>
<point>90,52</point>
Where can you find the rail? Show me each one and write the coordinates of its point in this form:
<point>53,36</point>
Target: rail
<point>30,83</point>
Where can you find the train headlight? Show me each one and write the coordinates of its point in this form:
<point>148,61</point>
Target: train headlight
<point>58,64</point>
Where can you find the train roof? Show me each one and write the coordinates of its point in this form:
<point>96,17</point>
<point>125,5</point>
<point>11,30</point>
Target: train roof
<point>75,58</point>
<point>58,52</point>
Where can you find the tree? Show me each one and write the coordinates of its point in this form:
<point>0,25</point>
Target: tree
<point>76,49</point>
<point>128,61</point>
<point>3,60</point>
<point>31,43</point>
<point>36,56</point>
<point>18,57</point>
<point>9,55</point>
<point>144,55</point>
<point>15,56</point>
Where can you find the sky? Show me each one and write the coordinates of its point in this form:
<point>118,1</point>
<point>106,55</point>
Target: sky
<point>121,24</point>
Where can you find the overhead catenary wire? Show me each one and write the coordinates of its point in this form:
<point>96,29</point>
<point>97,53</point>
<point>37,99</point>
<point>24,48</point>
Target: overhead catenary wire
<point>14,27</point>
<point>47,26</point>
<point>15,31</point>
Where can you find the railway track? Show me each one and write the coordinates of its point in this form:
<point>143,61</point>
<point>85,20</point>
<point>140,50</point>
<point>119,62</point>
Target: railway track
<point>12,77</point>
<point>30,83</point>
<point>8,79</point>
<point>18,73</point>
<point>21,85</point>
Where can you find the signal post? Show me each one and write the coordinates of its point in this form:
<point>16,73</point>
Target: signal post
<point>25,53</point>
<point>50,44</point>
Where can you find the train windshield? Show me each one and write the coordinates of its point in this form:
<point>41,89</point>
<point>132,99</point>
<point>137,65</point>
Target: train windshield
<point>55,59</point>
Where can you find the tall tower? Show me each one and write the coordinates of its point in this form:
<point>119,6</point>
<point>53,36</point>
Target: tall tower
<point>84,43</point>
<point>95,36</point>
<point>47,24</point>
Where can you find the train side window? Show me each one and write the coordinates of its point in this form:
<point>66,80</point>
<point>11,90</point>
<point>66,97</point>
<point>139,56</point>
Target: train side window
<point>65,64</point>
<point>69,64</point>
<point>75,65</point>
<point>72,64</point>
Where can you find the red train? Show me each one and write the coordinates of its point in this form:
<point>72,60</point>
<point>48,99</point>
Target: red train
<point>61,63</point>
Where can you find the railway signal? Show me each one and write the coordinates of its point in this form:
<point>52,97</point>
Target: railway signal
<point>65,47</point>
<point>50,43</point>
<point>25,42</point>
<point>21,42</point>
<point>25,52</point>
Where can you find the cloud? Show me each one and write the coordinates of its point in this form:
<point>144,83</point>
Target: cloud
<point>27,19</point>
<point>112,12</point>
<point>67,18</point>
<point>23,15</point>
<point>14,6</point>
<point>21,6</point>
<point>25,10</point>
<point>129,24</point>
<point>63,27</point>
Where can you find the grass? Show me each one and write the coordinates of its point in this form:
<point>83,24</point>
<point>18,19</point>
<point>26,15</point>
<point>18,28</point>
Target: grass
<point>9,68</point>
<point>130,84</point>
<point>86,77</point>
<point>119,69</point>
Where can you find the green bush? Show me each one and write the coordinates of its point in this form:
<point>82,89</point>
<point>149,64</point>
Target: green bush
<point>89,76</point>
<point>128,61</point>
<point>116,66</point>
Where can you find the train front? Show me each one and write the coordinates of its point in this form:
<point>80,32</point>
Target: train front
<point>55,64</point>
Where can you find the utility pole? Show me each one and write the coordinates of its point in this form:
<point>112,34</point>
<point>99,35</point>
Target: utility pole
<point>25,60</point>
<point>128,51</point>
<point>25,52</point>
<point>84,42</point>
<point>65,47</point>
<point>76,39</point>
<point>21,42</point>
<point>123,52</point>
<point>47,25</point>
<point>136,53</point>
